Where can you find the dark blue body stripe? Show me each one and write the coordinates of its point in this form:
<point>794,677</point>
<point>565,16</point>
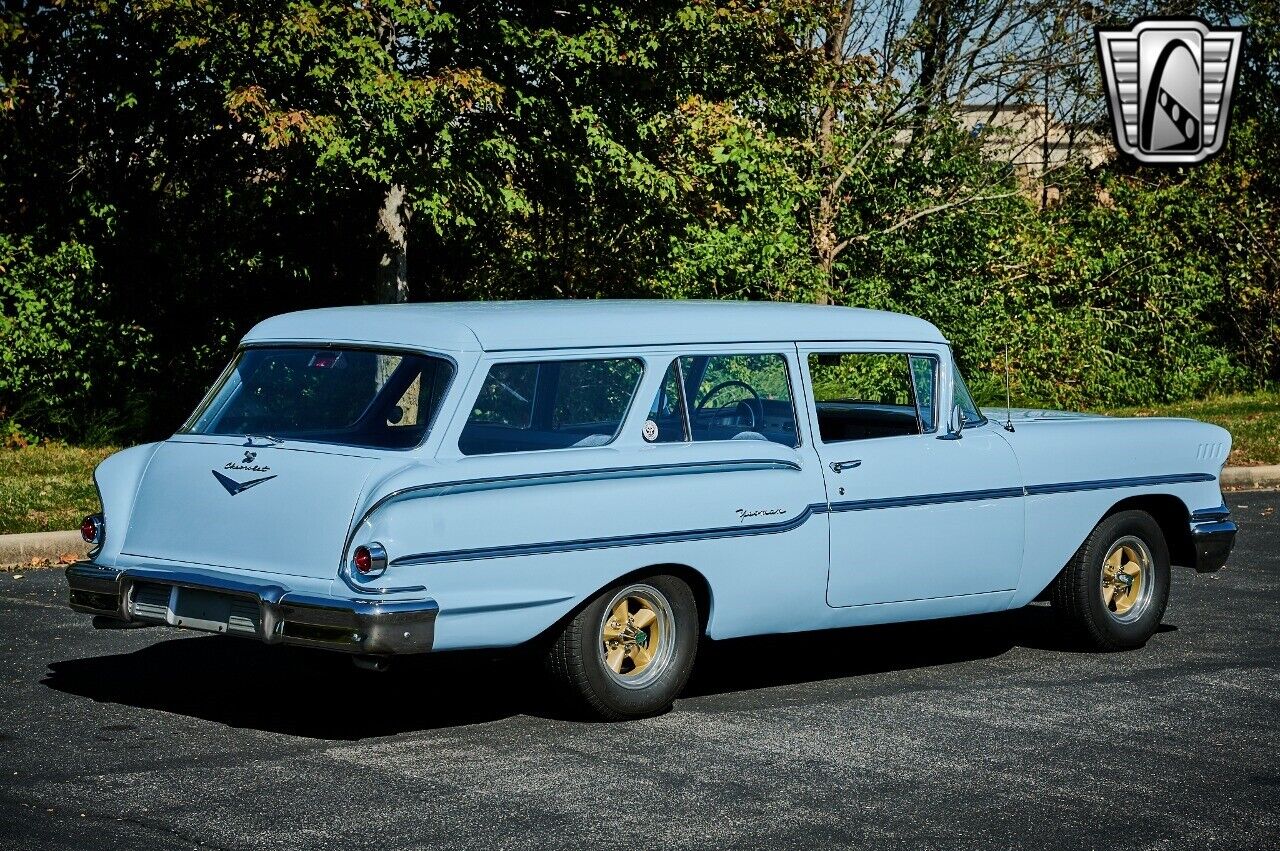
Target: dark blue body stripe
<point>616,541</point>
<point>796,522</point>
<point>683,468</point>
<point>924,499</point>
<point>1134,482</point>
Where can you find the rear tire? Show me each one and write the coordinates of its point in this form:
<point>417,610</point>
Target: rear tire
<point>1112,594</point>
<point>630,651</point>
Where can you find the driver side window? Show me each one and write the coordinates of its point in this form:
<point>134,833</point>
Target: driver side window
<point>739,397</point>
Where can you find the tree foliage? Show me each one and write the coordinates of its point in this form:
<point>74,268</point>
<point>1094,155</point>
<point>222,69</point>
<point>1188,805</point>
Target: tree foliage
<point>172,171</point>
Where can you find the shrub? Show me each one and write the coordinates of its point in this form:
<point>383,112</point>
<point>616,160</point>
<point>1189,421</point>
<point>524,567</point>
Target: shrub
<point>62,365</point>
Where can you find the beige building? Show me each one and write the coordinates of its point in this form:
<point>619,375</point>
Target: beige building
<point>1025,135</point>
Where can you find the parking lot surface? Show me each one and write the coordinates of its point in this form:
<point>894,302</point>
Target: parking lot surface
<point>970,733</point>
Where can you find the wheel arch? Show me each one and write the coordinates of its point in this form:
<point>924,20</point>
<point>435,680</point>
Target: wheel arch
<point>1173,517</point>
<point>691,576</point>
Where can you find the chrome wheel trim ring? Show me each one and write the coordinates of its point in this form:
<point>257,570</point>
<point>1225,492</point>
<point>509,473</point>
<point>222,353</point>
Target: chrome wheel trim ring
<point>665,651</point>
<point>1146,574</point>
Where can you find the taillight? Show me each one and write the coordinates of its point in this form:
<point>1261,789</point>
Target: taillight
<point>369,559</point>
<point>93,529</point>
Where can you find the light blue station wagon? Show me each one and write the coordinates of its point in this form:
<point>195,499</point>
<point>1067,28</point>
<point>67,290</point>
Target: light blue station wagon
<point>614,480</point>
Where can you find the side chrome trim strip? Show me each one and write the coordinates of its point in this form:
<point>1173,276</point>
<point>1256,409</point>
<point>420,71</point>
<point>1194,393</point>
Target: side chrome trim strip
<point>683,468</point>
<point>615,541</point>
<point>925,499</point>
<point>345,574</point>
<point>1133,482</point>
<point>569,476</point>
<point>612,542</point>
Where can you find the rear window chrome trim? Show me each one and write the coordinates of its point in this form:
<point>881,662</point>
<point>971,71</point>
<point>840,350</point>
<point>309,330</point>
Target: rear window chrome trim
<point>403,351</point>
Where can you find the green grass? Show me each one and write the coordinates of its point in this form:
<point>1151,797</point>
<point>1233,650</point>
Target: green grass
<point>47,488</point>
<point>1253,420</point>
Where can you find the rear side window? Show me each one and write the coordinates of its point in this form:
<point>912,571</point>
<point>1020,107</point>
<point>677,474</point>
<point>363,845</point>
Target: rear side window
<point>863,395</point>
<point>668,420</point>
<point>739,397</point>
<point>537,405</point>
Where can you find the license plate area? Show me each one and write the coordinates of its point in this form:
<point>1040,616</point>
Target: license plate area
<point>208,611</point>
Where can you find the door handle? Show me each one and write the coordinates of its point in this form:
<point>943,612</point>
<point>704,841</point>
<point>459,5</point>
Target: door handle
<point>841,466</point>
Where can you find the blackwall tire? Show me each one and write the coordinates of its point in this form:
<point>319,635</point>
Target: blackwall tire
<point>629,652</point>
<point>1113,593</point>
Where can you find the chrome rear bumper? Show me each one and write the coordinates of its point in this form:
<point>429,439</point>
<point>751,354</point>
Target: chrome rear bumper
<point>1212,536</point>
<point>214,602</point>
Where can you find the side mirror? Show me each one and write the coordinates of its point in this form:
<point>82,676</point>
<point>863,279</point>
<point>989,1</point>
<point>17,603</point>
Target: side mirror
<point>955,425</point>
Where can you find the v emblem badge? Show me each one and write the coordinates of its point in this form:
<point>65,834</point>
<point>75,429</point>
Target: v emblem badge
<point>233,487</point>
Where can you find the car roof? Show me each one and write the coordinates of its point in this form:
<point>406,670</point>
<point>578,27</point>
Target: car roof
<point>579,324</point>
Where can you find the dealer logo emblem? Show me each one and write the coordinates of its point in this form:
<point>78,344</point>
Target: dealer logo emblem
<point>1169,83</point>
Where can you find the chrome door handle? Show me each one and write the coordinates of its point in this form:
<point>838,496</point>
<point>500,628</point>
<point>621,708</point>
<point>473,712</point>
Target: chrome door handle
<point>841,466</point>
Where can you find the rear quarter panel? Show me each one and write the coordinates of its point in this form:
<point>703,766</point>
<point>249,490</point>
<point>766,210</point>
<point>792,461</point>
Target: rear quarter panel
<point>509,544</point>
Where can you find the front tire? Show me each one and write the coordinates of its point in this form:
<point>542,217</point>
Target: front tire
<point>1112,594</point>
<point>630,651</point>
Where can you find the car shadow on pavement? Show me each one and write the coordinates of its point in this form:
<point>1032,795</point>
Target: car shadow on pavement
<point>777,660</point>
<point>322,695</point>
<point>303,692</point>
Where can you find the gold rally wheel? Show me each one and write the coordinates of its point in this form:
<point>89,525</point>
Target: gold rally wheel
<point>1112,594</point>
<point>1127,579</point>
<point>630,651</point>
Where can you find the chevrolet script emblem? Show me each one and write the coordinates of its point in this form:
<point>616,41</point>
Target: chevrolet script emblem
<point>233,487</point>
<point>1169,85</point>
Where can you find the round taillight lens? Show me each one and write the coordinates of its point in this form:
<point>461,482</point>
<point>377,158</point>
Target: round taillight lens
<point>92,529</point>
<point>369,559</point>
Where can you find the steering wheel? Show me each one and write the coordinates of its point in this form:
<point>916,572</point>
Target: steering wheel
<point>724,385</point>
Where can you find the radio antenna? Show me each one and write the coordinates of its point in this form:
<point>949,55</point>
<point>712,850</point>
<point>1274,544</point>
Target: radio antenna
<point>1008,395</point>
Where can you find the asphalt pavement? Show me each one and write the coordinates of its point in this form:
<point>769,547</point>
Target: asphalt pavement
<point>985,732</point>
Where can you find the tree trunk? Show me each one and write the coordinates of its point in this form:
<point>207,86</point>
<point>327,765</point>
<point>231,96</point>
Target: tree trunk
<point>393,268</point>
<point>823,226</point>
<point>824,220</point>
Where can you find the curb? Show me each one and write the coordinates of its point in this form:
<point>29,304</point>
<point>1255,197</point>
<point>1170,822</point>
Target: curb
<point>1251,477</point>
<point>40,546</point>
<point>53,546</point>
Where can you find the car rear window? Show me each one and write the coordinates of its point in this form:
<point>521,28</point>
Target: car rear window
<point>533,405</point>
<point>352,397</point>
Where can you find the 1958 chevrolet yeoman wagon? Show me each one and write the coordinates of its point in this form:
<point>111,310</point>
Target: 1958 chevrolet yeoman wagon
<point>615,480</point>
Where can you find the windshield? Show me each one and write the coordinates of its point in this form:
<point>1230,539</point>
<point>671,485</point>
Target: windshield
<point>353,397</point>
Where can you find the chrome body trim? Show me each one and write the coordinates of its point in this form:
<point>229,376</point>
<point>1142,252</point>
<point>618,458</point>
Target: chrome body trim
<point>377,627</point>
<point>1132,482</point>
<point>345,575</point>
<point>527,480</point>
<point>1205,514</point>
<point>1212,536</point>
<point>377,560</point>
<point>99,524</point>
<point>548,547</point>
<point>544,548</point>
